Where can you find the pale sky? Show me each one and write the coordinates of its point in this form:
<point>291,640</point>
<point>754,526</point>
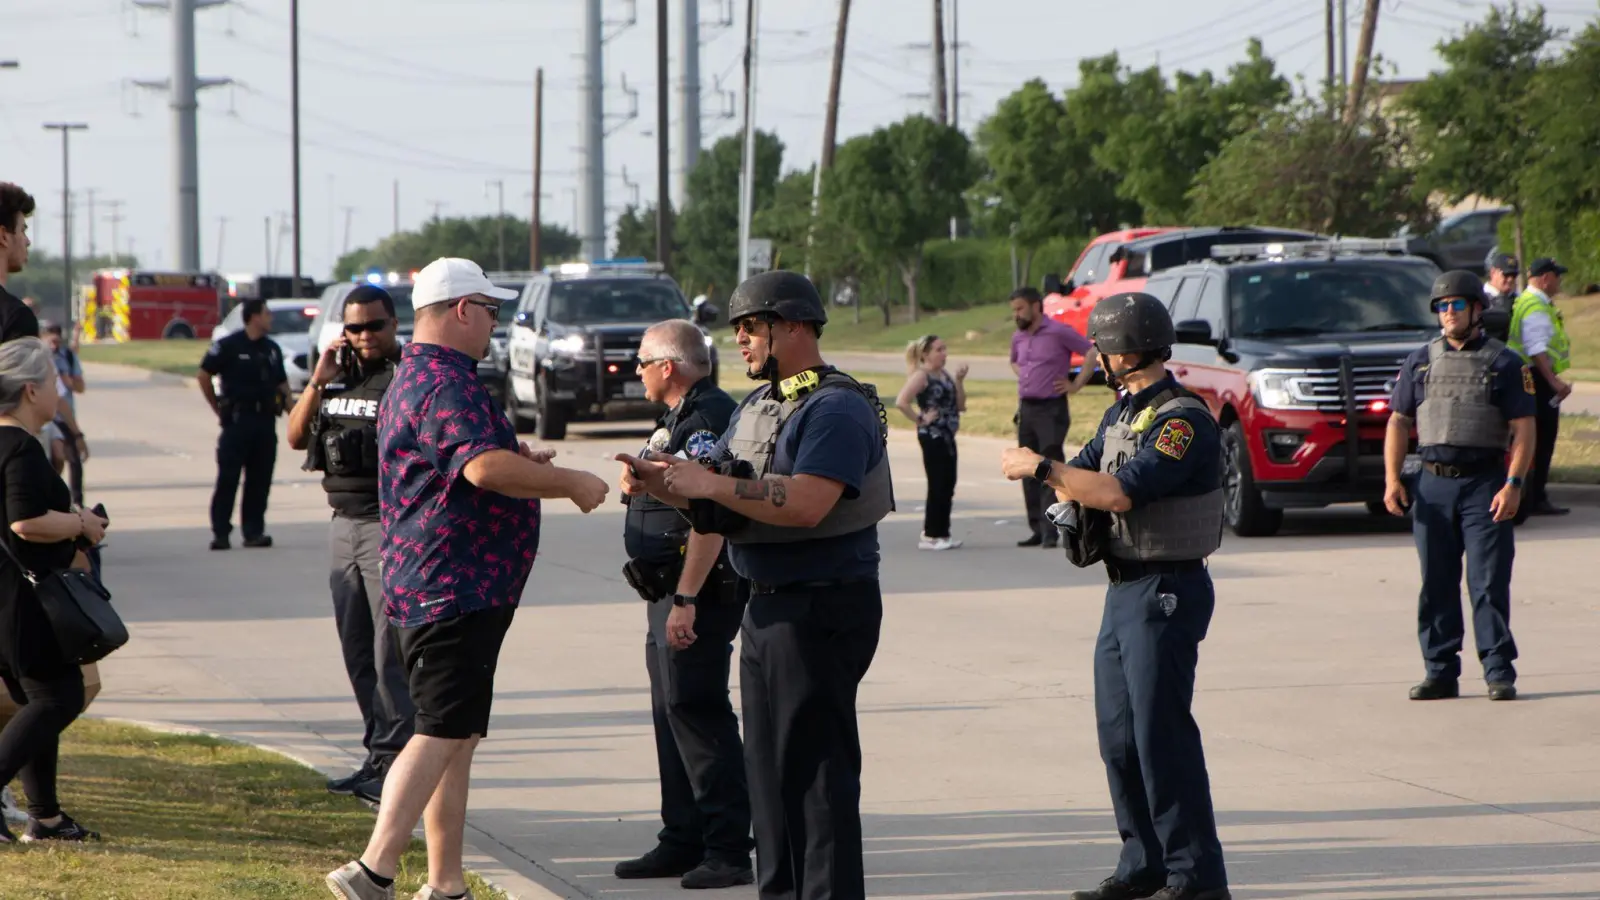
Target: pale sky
<point>438,94</point>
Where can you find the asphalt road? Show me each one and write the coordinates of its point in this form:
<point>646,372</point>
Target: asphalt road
<point>982,777</point>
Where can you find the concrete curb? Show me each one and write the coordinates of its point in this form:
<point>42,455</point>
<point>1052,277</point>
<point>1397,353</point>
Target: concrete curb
<point>499,866</point>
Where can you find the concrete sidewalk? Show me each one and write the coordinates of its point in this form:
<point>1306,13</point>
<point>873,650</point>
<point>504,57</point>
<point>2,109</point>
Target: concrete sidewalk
<point>982,777</point>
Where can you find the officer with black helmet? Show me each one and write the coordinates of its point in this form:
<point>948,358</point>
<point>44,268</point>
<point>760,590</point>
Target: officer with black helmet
<point>336,422</point>
<point>1155,467</point>
<point>1468,394</point>
<point>800,481</point>
<point>255,391</point>
<point>696,603</point>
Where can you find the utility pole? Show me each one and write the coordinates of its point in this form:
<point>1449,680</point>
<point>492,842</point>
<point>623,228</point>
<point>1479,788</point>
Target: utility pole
<point>592,225</point>
<point>1344,46</point>
<point>1358,81</point>
<point>437,205</point>
<point>182,87</point>
<point>747,192</point>
<point>294,107</point>
<point>830,125</point>
<point>955,87</point>
<point>663,160</point>
<point>91,222</point>
<point>500,222</point>
<point>349,213</point>
<point>395,228</point>
<point>115,218</point>
<point>939,91</point>
<point>688,98</point>
<point>66,129</point>
<point>267,261</point>
<point>1332,60</point>
<point>535,251</point>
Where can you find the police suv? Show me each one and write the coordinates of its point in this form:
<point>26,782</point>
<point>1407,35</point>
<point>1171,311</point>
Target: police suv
<point>575,335</point>
<point>1296,348</point>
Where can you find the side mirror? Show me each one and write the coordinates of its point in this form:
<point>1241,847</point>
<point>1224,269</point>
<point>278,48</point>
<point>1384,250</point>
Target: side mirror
<point>1052,285</point>
<point>705,314</point>
<point>1195,331</point>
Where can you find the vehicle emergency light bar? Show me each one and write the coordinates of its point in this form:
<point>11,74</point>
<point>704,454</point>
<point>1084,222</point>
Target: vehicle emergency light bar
<point>1305,249</point>
<point>626,265</point>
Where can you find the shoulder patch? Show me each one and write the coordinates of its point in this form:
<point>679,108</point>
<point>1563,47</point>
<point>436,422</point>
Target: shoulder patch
<point>1527,379</point>
<point>1175,437</point>
<point>700,444</point>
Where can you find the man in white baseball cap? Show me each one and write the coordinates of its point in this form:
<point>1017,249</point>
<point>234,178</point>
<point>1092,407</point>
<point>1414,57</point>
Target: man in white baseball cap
<point>461,284</point>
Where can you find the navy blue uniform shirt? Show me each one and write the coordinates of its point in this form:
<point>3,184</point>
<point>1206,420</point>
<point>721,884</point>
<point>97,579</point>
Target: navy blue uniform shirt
<point>835,436</point>
<point>1180,453</point>
<point>251,371</point>
<point>653,530</point>
<point>1511,390</point>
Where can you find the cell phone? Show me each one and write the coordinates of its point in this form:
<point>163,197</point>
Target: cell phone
<point>343,356</point>
<point>100,510</point>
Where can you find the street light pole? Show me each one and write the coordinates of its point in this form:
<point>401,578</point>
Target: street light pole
<point>294,103</point>
<point>66,129</point>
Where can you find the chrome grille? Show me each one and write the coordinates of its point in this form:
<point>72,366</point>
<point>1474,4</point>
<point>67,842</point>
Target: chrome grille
<point>1320,387</point>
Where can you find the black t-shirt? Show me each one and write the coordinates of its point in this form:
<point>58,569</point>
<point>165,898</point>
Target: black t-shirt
<point>251,370</point>
<point>31,488</point>
<point>16,319</point>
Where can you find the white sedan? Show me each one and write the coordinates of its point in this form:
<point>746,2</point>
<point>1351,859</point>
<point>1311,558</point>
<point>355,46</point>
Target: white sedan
<point>291,321</point>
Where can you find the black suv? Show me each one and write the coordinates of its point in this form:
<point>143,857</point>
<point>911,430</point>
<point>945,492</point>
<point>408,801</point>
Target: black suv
<point>1296,347</point>
<point>575,336</point>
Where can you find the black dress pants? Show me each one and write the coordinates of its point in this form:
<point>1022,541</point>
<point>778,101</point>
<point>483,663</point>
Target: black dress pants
<point>939,462</point>
<point>248,445</point>
<point>1042,427</point>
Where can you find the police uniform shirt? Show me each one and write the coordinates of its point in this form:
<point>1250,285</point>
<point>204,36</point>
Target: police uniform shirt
<point>352,405</point>
<point>1511,390</point>
<point>1180,451</point>
<point>251,370</point>
<point>695,425</point>
<point>834,435</point>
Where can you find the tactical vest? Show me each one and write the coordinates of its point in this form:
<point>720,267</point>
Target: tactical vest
<point>1172,528</point>
<point>1457,408</point>
<point>1560,349</point>
<point>345,445</point>
<point>755,440</point>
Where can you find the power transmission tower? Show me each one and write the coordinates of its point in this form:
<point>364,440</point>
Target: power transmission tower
<point>115,218</point>
<point>688,100</point>
<point>66,129</point>
<point>182,87</point>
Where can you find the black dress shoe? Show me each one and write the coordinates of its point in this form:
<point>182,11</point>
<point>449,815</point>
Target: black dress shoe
<point>1113,889</point>
<point>659,863</point>
<point>369,789</point>
<point>1050,543</point>
<point>220,543</point>
<point>1502,690</point>
<point>1436,689</point>
<point>715,873</point>
<point>1192,893</point>
<point>260,540</point>
<point>346,785</point>
<point>1033,541</point>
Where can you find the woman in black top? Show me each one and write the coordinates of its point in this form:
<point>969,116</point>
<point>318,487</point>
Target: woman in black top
<point>940,399</point>
<point>42,529</point>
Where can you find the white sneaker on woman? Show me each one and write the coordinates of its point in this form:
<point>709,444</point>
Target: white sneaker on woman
<point>928,543</point>
<point>8,804</point>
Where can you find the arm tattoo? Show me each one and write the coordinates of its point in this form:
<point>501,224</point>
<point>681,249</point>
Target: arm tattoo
<point>764,489</point>
<point>780,494</point>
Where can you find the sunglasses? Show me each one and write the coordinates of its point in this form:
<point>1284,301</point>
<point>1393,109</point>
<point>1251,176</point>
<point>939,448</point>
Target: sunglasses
<point>1456,304</point>
<point>493,308</point>
<point>640,362</point>
<point>745,325</point>
<point>372,327</point>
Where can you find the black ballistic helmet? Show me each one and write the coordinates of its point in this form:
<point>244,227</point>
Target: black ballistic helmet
<point>1457,283</point>
<point>1131,322</point>
<point>788,295</point>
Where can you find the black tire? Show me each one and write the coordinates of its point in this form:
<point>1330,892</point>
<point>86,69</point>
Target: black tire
<point>178,331</point>
<point>1243,509</point>
<point>551,424</point>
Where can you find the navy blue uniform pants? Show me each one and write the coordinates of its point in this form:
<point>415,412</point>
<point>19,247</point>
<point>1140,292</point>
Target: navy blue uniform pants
<point>1451,516</point>
<point>1144,670</point>
<point>248,445</point>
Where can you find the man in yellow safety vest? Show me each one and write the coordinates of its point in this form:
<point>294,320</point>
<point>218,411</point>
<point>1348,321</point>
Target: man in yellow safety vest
<point>1538,333</point>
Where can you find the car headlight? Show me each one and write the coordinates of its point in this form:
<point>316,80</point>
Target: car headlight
<point>1276,389</point>
<point>572,343</point>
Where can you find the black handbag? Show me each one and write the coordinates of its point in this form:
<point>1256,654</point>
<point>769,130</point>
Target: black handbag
<point>79,610</point>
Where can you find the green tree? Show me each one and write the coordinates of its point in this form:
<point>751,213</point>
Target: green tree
<point>1302,167</point>
<point>707,233</point>
<point>1474,124</point>
<point>636,233</point>
<point>899,187</point>
<point>477,239</point>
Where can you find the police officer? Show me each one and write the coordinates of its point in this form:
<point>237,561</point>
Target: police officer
<point>1539,336</point>
<point>1468,395</point>
<point>1154,466</point>
<point>693,594</point>
<point>336,422</point>
<point>255,390</point>
<point>1501,295</point>
<point>801,481</point>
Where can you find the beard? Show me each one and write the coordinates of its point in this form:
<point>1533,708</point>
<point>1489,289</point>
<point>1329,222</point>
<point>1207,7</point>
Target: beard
<point>1023,324</point>
<point>1460,332</point>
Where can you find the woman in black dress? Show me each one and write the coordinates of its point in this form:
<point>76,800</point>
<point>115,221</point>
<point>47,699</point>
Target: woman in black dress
<point>941,398</point>
<point>42,529</point>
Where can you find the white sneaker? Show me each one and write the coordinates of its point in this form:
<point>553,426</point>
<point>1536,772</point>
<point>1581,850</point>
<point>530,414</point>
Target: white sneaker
<point>927,543</point>
<point>8,804</point>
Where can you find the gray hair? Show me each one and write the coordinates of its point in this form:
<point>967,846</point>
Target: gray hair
<point>683,339</point>
<point>23,361</point>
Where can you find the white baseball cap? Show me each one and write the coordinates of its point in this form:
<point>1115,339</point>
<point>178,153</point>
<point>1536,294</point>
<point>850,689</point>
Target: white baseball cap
<point>451,278</point>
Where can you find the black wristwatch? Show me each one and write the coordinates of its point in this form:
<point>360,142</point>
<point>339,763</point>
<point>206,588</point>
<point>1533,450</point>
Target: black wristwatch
<point>682,600</point>
<point>1041,472</point>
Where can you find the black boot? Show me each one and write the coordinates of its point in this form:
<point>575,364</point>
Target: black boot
<point>1436,689</point>
<point>662,862</point>
<point>1113,889</point>
<point>715,873</point>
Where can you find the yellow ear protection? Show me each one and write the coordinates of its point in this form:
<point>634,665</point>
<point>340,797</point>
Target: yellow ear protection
<point>796,386</point>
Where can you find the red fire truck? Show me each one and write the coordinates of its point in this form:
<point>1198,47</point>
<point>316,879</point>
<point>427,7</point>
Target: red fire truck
<point>136,305</point>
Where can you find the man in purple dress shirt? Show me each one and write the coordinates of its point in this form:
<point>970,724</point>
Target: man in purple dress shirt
<point>459,512</point>
<point>1041,357</point>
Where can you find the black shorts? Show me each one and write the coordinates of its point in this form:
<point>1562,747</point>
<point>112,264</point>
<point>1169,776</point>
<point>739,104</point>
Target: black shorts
<point>450,665</point>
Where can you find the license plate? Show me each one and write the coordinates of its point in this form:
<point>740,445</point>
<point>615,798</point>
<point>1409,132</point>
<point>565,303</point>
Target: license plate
<point>633,390</point>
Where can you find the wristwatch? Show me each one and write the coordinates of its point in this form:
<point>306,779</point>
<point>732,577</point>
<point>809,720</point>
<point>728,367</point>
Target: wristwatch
<point>682,600</point>
<point>1041,472</point>
<point>1514,481</point>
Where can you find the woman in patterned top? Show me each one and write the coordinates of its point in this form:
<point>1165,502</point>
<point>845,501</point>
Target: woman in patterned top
<point>940,399</point>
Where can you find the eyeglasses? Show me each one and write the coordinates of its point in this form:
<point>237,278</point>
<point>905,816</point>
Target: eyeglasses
<point>372,327</point>
<point>493,308</point>
<point>641,362</point>
<point>743,326</point>
<point>1454,304</point>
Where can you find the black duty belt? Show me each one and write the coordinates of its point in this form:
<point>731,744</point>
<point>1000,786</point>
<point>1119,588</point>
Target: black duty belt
<point>1469,470</point>
<point>1125,570</point>
<point>757,587</point>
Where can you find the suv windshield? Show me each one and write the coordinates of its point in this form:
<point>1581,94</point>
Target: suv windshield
<point>1320,297</point>
<point>593,301</point>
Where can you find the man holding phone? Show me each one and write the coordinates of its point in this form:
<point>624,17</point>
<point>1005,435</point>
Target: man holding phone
<point>336,422</point>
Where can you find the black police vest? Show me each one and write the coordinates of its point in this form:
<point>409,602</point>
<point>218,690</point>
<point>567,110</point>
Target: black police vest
<point>346,443</point>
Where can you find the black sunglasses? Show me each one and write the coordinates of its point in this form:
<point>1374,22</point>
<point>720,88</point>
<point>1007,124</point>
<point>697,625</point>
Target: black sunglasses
<point>493,308</point>
<point>373,327</point>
